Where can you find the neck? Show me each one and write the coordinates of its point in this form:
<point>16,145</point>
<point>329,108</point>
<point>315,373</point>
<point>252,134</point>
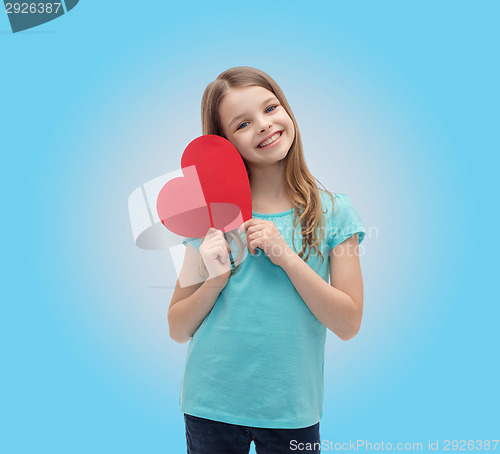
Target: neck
<point>266,184</point>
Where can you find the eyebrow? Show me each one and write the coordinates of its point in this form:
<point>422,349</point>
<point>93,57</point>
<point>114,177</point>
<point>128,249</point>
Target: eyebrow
<point>243,115</point>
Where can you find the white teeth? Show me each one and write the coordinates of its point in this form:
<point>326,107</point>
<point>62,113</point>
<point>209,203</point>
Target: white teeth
<point>271,140</point>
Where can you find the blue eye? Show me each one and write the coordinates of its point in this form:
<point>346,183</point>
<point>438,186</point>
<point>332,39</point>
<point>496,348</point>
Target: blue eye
<point>245,123</point>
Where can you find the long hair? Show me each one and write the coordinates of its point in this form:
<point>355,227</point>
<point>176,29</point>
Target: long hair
<point>300,186</point>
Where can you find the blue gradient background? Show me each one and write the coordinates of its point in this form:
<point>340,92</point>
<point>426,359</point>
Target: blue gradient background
<point>397,103</point>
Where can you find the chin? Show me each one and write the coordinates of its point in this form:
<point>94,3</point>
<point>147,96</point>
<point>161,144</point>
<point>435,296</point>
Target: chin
<point>283,156</point>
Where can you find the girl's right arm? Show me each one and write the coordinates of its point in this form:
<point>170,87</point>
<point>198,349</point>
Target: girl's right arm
<point>192,301</point>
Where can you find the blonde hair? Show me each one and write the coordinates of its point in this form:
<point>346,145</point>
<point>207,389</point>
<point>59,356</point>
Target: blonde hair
<point>300,186</point>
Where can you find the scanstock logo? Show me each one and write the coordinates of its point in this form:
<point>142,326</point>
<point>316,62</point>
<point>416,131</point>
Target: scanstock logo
<point>24,15</point>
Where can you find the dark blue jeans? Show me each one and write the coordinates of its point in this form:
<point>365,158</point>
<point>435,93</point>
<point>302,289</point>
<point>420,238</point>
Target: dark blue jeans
<point>204,436</point>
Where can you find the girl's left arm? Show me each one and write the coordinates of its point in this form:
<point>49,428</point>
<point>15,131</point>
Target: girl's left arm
<point>338,306</point>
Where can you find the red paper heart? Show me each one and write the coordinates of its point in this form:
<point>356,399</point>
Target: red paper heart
<point>214,191</point>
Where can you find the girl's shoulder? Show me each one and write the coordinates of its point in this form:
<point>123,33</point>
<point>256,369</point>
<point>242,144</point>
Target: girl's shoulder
<point>340,215</point>
<point>333,201</point>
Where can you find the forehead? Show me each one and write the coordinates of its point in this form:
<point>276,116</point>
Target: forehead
<point>242,100</point>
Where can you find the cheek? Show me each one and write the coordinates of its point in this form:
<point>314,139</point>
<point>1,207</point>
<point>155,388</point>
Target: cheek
<point>245,139</point>
<point>287,121</point>
<point>234,140</point>
<point>240,146</point>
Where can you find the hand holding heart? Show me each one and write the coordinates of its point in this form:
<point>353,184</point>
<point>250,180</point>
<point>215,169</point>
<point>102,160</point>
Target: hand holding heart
<point>215,254</point>
<point>266,236</point>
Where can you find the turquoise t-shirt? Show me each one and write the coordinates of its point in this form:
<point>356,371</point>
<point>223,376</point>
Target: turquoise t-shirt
<point>257,359</point>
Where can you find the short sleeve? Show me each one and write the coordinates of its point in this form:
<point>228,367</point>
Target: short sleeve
<point>343,223</point>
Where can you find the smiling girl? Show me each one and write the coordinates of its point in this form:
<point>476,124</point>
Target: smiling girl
<point>257,327</point>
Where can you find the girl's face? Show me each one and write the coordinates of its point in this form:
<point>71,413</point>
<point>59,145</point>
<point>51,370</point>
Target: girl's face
<point>253,120</point>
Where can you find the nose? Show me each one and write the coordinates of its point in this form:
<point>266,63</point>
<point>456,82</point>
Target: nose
<point>265,124</point>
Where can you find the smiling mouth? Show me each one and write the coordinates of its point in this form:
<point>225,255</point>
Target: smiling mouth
<point>272,140</point>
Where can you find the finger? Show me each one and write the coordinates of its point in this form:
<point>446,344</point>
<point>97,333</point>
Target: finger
<point>220,254</point>
<point>218,241</point>
<point>220,248</point>
<point>216,252</point>
<point>252,230</point>
<point>210,230</point>
<point>213,230</point>
<point>224,254</point>
<point>214,235</point>
<point>256,228</point>
<point>215,249</point>
<point>253,245</point>
<point>255,235</point>
<point>249,223</point>
<point>251,236</point>
<point>248,239</point>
